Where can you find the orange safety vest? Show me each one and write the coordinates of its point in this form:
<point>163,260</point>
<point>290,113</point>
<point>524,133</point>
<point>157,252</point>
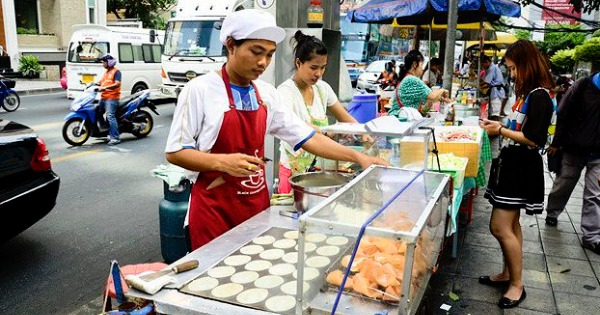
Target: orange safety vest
<point>109,79</point>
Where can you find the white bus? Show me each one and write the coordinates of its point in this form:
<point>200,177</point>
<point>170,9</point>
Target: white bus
<point>137,51</point>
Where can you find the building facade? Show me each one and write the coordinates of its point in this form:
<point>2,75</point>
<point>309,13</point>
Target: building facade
<point>43,28</point>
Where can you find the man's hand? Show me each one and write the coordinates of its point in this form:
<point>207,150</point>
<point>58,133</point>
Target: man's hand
<point>238,164</point>
<point>366,160</point>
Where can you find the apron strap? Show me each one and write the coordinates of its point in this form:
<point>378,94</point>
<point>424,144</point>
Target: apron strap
<point>230,95</point>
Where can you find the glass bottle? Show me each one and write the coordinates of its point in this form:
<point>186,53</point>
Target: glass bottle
<point>315,15</point>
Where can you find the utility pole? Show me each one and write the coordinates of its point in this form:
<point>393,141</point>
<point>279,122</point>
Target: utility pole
<point>450,43</point>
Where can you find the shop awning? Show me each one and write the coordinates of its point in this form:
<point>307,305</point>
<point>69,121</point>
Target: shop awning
<point>417,12</point>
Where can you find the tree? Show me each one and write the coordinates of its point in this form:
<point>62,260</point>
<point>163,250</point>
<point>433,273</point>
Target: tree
<point>563,60</point>
<point>589,52</point>
<point>555,41</point>
<point>144,10</point>
<point>523,34</point>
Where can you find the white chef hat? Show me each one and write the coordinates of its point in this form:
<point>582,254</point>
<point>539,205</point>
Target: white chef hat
<point>251,24</point>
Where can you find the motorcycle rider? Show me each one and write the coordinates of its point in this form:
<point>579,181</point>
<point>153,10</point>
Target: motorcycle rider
<point>110,86</point>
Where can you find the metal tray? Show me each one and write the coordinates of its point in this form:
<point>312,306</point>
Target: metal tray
<point>278,233</point>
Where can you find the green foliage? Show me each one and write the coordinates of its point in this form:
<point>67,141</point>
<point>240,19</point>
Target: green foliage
<point>145,10</point>
<point>596,33</point>
<point>563,60</point>
<point>28,31</point>
<point>502,28</point>
<point>589,52</point>
<point>29,66</point>
<point>523,34</point>
<point>555,41</point>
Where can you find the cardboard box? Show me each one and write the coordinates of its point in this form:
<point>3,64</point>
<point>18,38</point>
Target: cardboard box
<point>412,148</point>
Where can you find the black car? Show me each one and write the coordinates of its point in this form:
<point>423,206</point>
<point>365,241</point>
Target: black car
<point>28,186</point>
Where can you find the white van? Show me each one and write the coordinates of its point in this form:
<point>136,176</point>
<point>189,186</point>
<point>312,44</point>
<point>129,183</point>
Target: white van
<point>192,44</point>
<point>137,51</point>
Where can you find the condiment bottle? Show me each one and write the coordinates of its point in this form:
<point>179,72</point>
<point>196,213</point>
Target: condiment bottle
<point>315,15</point>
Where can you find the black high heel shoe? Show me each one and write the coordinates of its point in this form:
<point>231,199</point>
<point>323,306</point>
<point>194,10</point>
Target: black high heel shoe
<point>505,302</point>
<point>488,281</point>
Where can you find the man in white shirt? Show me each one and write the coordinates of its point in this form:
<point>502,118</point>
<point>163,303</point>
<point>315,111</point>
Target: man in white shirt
<point>219,127</point>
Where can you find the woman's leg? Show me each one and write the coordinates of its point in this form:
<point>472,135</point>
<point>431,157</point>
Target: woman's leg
<point>504,225</point>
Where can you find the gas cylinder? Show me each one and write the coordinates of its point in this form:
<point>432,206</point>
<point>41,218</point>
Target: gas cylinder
<point>172,210</point>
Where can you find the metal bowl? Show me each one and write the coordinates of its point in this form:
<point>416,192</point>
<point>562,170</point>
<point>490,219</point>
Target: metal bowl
<point>312,188</point>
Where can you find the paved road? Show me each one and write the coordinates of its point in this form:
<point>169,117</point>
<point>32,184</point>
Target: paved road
<point>107,209</point>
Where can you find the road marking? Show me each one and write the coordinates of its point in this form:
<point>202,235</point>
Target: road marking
<point>75,155</point>
<point>46,126</point>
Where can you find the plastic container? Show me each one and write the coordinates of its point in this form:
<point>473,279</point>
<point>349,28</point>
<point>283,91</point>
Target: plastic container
<point>315,15</point>
<point>172,210</point>
<point>363,107</point>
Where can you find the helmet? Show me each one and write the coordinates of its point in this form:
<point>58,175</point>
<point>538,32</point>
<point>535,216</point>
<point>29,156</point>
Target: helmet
<point>109,59</point>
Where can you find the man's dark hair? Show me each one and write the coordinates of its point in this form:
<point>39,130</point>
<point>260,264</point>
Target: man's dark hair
<point>485,58</point>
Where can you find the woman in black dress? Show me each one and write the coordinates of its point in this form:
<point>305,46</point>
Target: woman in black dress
<point>518,180</point>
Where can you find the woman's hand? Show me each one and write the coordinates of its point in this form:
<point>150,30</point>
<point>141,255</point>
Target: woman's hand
<point>238,164</point>
<point>491,127</point>
<point>552,150</point>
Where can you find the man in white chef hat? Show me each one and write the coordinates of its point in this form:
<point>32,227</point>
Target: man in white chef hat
<point>219,128</point>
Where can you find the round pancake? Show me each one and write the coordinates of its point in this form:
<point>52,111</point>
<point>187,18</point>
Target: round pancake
<point>227,290</point>
<point>318,261</point>
<point>282,269</point>
<point>310,273</point>
<point>238,260</point>
<point>264,240</point>
<point>272,254</point>
<point>268,282</point>
<point>316,237</point>
<point>221,271</point>
<point>280,303</point>
<point>290,287</point>
<point>328,250</point>
<point>252,296</point>
<point>290,258</point>
<point>258,265</point>
<point>251,249</point>
<point>308,247</point>
<point>337,240</point>
<point>203,284</point>
<point>291,235</point>
<point>284,243</point>
<point>243,277</point>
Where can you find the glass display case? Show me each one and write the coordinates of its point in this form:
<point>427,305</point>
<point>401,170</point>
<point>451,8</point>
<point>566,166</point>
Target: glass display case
<point>379,237</point>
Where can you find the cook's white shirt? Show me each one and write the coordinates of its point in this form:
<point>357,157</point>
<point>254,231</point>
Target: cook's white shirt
<point>201,107</point>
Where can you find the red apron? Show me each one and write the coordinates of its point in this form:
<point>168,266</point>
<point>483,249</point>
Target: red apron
<point>216,211</point>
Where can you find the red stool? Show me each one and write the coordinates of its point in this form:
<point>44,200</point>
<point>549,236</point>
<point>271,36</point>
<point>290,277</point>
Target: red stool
<point>128,270</point>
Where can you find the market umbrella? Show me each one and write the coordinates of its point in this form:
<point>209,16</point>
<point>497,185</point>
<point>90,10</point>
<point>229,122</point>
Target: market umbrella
<point>502,41</point>
<point>417,12</point>
<point>465,31</point>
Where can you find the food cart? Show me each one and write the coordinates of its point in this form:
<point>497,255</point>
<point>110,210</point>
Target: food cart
<point>254,268</point>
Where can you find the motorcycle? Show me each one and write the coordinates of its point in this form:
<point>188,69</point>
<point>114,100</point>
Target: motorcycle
<point>8,97</point>
<point>83,122</point>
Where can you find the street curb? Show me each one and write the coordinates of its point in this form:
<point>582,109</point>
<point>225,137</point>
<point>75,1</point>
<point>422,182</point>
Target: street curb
<point>40,91</point>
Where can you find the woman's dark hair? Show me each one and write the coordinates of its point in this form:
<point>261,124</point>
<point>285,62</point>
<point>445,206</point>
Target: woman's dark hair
<point>435,61</point>
<point>306,46</point>
<point>532,68</point>
<point>413,56</point>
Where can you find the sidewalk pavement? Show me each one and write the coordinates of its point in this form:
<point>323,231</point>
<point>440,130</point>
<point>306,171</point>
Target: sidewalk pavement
<point>559,275</point>
<point>37,86</point>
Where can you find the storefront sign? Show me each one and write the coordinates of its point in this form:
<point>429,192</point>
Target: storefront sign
<point>562,6</point>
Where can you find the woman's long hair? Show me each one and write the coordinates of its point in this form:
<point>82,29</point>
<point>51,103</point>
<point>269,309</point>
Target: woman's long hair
<point>413,56</point>
<point>532,68</point>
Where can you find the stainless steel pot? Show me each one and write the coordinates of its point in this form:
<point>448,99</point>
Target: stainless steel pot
<point>312,188</point>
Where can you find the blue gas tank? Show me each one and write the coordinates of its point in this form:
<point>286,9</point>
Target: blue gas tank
<point>172,210</point>
<point>363,107</point>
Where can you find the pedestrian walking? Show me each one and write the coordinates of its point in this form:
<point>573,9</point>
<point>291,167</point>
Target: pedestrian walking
<point>517,178</point>
<point>219,128</point>
<point>577,138</point>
